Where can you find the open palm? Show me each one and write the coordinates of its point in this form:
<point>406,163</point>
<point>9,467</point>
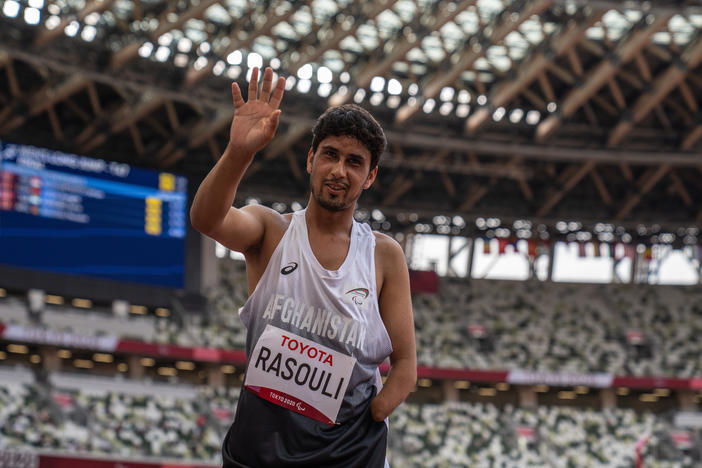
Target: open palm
<point>256,120</point>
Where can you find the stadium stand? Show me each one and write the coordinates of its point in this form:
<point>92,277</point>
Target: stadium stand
<point>640,330</point>
<point>93,415</point>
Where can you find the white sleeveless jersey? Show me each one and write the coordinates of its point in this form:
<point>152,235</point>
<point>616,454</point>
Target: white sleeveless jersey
<point>315,336</point>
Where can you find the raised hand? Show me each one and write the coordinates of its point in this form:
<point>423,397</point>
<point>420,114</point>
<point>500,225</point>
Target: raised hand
<point>256,120</point>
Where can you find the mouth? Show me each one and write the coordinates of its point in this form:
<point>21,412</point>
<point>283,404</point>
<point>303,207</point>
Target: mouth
<point>335,187</point>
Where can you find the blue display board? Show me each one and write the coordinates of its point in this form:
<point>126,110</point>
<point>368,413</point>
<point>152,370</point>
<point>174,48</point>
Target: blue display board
<point>78,215</point>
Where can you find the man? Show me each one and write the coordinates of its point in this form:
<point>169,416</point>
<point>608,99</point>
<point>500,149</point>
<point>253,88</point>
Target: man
<point>329,299</point>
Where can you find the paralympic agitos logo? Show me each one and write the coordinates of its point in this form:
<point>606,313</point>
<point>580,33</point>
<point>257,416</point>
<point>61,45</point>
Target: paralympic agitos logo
<point>358,295</point>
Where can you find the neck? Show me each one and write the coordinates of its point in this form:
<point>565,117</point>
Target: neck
<point>329,222</point>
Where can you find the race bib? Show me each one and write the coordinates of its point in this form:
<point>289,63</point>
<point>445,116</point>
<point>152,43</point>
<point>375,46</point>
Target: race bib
<point>299,374</point>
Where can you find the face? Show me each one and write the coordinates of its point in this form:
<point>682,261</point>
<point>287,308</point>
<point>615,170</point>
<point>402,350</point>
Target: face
<point>339,171</point>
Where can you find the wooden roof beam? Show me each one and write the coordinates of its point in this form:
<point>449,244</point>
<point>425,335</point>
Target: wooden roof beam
<point>47,98</point>
<point>338,34</point>
<point>46,36</point>
<point>647,181</point>
<point>556,195</point>
<point>399,49</point>
<point>474,50</point>
<point>625,51</point>
<point>663,84</point>
<point>561,43</point>
<point>123,117</point>
<point>273,19</point>
<point>131,51</point>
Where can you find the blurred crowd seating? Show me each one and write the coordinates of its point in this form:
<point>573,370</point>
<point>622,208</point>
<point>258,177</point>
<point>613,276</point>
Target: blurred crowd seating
<point>622,329</point>
<point>475,434</point>
<point>637,330</point>
<point>84,415</point>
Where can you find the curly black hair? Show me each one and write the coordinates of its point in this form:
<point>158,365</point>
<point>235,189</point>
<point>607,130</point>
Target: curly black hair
<point>354,121</point>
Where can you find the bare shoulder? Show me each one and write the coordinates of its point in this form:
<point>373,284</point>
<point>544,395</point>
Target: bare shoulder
<point>389,257</point>
<point>387,247</point>
<point>273,225</point>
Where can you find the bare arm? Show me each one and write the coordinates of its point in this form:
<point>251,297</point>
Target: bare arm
<point>254,125</point>
<point>396,311</point>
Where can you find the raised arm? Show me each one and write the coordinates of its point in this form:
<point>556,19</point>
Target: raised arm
<point>254,125</point>
<point>395,304</point>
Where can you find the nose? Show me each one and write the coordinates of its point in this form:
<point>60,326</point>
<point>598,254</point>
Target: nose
<point>338,170</point>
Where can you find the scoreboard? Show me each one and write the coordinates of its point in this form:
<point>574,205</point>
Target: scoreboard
<point>73,214</point>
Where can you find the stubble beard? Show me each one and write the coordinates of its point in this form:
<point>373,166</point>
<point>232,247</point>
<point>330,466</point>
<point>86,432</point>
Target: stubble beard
<point>328,203</point>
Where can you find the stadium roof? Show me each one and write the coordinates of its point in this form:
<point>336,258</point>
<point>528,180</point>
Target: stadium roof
<point>542,110</point>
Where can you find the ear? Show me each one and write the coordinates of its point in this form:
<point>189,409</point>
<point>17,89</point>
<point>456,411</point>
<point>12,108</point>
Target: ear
<point>371,178</point>
<point>310,157</point>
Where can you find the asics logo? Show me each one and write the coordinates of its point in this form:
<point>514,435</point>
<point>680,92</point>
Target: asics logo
<point>289,268</point>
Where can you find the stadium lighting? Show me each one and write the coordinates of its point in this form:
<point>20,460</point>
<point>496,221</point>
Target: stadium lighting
<point>516,115</point>
<point>234,72</point>
<point>447,93</point>
<point>428,106</point>
<point>377,84</point>
<point>376,99</point>
<point>32,16</point>
<point>72,29</point>
<point>185,45</point>
<point>162,53</point>
<point>324,90</point>
<point>304,85</point>
<point>393,102</point>
<point>413,89</point>
<point>204,48</point>
<point>254,60</point>
<point>11,9</point>
<point>147,362</point>
<point>461,384</point>
<point>38,4</point>
<point>345,77</point>
<point>498,114</point>
<point>532,117</point>
<point>200,63</point>
<point>305,72</point>
<point>324,75</point>
<point>290,82</point>
<point>446,108</point>
<point>180,60</point>
<point>146,49</point>
<point>394,87</point>
<point>275,63</point>
<point>88,33</point>
<point>359,95</point>
<point>92,18</point>
<point>17,349</point>
<point>165,39</point>
<point>219,68</point>
<point>482,100</point>
<point>464,97</point>
<point>52,22</point>
<point>234,58</point>
<point>551,107</point>
<point>462,110</point>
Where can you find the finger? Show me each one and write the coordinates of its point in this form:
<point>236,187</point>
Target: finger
<point>267,84</point>
<point>253,85</point>
<point>272,124</point>
<point>236,96</point>
<point>277,95</point>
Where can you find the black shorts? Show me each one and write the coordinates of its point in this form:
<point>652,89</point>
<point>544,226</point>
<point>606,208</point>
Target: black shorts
<point>266,435</point>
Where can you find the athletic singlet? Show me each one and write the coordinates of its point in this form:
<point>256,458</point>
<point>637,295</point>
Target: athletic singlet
<point>315,339</point>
